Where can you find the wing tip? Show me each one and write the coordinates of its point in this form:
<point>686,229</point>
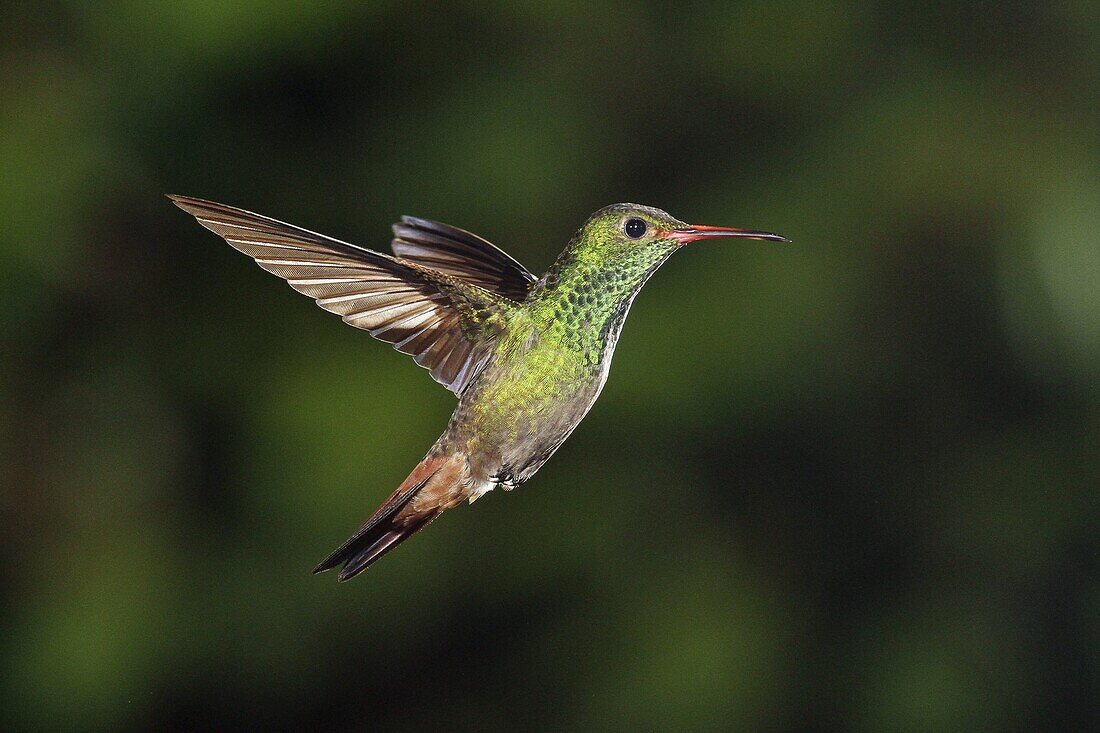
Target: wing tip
<point>190,204</point>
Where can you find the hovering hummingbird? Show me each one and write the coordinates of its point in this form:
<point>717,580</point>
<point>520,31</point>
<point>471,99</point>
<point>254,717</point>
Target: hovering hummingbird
<point>526,356</point>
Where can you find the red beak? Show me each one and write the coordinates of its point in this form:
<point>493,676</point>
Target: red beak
<point>695,232</point>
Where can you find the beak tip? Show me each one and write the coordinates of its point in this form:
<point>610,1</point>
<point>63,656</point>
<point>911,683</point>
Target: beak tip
<point>696,232</point>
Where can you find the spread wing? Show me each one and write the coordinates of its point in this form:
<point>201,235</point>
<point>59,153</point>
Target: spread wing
<point>447,325</point>
<point>461,254</point>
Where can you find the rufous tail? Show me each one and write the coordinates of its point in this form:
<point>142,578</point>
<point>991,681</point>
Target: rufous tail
<point>431,488</point>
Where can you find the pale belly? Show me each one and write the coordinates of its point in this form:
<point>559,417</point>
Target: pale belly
<point>521,410</point>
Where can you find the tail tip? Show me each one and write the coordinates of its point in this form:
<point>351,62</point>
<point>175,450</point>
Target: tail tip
<point>329,562</point>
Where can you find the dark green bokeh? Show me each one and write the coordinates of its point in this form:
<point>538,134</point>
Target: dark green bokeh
<point>844,484</point>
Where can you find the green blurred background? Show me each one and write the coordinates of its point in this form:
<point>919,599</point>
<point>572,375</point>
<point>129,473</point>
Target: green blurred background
<point>844,484</point>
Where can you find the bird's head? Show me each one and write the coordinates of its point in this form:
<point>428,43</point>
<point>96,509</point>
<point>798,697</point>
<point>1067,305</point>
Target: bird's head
<point>621,245</point>
<point>627,232</point>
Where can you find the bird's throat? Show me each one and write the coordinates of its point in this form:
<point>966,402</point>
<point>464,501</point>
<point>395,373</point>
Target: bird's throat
<point>583,300</point>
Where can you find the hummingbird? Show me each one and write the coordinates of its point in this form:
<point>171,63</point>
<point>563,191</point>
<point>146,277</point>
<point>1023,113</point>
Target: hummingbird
<point>527,356</point>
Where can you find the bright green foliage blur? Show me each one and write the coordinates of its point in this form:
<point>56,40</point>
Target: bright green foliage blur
<point>849,483</point>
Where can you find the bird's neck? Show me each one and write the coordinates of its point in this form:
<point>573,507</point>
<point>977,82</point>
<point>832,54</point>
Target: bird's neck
<point>584,297</point>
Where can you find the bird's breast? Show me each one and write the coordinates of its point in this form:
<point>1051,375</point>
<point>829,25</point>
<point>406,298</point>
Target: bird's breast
<point>543,378</point>
<point>527,398</point>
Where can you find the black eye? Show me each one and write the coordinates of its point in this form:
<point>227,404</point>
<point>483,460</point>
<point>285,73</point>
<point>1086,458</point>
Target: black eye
<point>635,228</point>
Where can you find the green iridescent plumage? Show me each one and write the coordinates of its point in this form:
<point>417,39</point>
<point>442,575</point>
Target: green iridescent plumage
<point>561,341</point>
<point>527,357</point>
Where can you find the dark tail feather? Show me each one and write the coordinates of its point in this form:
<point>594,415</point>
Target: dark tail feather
<point>385,530</point>
<point>390,539</point>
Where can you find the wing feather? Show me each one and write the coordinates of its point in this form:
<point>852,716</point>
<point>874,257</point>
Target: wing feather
<point>461,254</point>
<point>425,312</point>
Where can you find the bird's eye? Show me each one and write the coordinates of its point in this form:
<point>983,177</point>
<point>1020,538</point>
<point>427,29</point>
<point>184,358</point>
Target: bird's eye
<point>635,228</point>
